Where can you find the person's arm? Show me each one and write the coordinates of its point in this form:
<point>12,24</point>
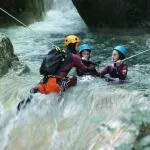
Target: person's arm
<point>105,71</point>
<point>84,69</point>
<point>94,72</point>
<point>78,63</point>
<point>89,62</point>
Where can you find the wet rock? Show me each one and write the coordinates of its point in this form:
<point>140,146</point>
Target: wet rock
<point>114,13</point>
<point>27,11</point>
<point>145,95</point>
<point>7,57</point>
<point>143,139</point>
<point>20,68</point>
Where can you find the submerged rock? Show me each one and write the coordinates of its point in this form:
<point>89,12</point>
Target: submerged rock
<point>143,139</point>
<point>7,57</point>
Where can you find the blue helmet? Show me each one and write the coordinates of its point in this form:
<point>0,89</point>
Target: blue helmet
<point>121,49</point>
<point>84,47</point>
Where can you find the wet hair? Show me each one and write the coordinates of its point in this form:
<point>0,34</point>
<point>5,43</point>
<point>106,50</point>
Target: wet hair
<point>71,48</point>
<point>121,56</point>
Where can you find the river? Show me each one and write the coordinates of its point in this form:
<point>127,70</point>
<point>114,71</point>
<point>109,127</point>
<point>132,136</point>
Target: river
<point>94,114</point>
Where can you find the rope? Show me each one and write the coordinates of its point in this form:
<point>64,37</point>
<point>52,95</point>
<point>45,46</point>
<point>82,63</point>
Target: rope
<point>135,55</point>
<point>23,24</point>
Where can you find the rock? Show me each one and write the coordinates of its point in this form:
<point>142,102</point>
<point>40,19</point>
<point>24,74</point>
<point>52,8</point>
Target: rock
<point>20,68</point>
<point>26,11</point>
<point>114,13</point>
<point>143,139</point>
<point>7,57</point>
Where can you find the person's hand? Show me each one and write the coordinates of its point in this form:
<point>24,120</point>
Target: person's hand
<point>91,68</point>
<point>118,62</point>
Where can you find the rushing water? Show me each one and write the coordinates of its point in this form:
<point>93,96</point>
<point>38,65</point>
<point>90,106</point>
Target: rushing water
<point>94,114</point>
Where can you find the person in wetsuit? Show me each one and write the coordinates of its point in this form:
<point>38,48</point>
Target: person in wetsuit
<point>85,54</point>
<point>118,70</point>
<point>72,43</point>
<point>59,81</point>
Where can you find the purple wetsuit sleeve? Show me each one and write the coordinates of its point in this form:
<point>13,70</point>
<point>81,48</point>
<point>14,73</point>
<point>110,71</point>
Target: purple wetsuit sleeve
<point>75,62</point>
<point>78,63</point>
<point>105,70</point>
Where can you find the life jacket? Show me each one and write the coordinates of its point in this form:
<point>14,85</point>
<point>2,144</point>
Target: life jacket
<point>52,61</point>
<point>50,86</point>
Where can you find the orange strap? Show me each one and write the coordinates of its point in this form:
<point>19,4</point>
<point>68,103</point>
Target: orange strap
<point>50,86</point>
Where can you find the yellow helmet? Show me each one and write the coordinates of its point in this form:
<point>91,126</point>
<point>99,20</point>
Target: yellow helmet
<point>71,39</point>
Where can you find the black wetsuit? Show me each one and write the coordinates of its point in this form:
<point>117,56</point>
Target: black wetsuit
<point>91,65</point>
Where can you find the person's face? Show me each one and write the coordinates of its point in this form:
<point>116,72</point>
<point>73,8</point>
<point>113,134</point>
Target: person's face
<point>86,54</point>
<point>115,55</point>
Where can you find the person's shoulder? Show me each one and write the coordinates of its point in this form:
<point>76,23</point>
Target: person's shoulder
<point>76,57</point>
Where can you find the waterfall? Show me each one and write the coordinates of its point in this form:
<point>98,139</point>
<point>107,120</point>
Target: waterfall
<point>61,18</point>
